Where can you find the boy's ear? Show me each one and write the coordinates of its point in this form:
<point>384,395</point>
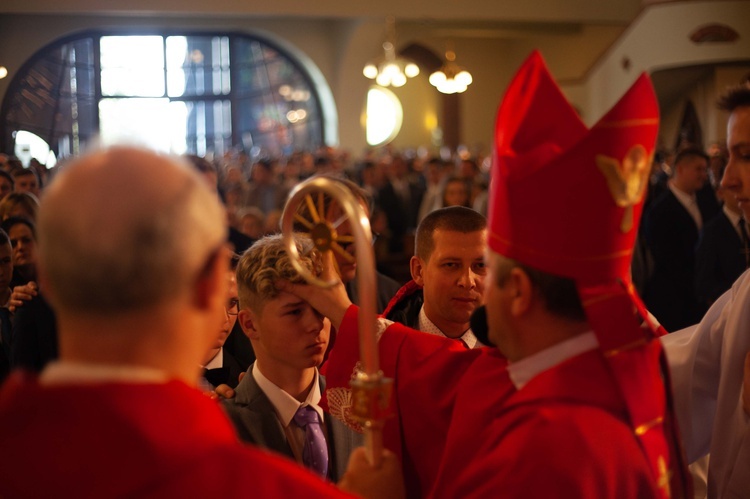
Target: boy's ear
<point>248,323</point>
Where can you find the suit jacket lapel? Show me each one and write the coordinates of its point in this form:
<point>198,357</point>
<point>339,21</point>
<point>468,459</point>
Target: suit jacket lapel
<point>259,417</point>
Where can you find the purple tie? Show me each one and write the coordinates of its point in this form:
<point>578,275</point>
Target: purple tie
<point>315,451</point>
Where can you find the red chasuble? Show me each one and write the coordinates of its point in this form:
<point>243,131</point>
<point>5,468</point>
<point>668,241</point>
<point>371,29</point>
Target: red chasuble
<point>463,430</point>
<point>133,440</point>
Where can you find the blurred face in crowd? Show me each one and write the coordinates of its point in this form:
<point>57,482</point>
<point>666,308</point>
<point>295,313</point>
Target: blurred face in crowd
<point>5,187</point>
<point>452,279</point>
<point>737,174</point>
<point>252,226</point>
<point>27,183</point>
<point>23,243</point>
<point>693,173</point>
<point>231,310</point>
<point>456,194</point>
<point>6,265</point>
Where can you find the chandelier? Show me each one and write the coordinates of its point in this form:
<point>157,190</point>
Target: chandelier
<point>390,71</point>
<point>450,78</point>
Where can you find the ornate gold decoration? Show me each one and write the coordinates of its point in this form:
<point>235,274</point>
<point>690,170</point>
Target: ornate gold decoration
<point>627,181</point>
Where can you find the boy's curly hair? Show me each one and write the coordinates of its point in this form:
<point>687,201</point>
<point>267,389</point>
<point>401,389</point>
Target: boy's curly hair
<point>265,263</point>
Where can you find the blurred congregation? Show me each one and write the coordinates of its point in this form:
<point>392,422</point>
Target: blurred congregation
<point>691,248</point>
<point>284,250</point>
<point>400,188</point>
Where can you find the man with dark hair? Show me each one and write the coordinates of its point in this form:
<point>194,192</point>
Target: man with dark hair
<point>671,231</point>
<point>26,180</point>
<point>712,400</point>
<point>447,276</point>
<point>572,402</point>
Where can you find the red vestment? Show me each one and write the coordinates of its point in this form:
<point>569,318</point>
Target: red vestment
<point>463,430</point>
<point>134,440</point>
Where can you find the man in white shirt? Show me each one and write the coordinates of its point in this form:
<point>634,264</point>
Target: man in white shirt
<point>447,276</point>
<point>283,387</point>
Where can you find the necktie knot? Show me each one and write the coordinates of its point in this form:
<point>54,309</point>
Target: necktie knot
<point>306,415</point>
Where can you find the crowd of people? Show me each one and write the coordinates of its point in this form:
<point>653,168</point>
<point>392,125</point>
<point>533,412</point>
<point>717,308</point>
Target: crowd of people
<point>518,344</point>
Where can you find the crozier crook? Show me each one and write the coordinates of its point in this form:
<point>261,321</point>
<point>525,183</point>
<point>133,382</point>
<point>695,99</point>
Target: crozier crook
<point>370,389</point>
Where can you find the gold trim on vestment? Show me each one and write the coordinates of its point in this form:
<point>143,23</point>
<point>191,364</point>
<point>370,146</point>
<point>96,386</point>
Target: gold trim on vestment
<point>617,254</point>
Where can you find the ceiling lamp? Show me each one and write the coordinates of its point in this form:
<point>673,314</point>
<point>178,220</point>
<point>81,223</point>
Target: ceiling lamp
<point>391,71</point>
<point>451,78</point>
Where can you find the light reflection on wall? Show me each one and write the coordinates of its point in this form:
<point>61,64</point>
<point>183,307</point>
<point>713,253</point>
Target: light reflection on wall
<point>384,116</point>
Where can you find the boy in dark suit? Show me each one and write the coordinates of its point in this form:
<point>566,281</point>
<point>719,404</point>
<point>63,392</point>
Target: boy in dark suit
<point>220,366</point>
<point>277,402</point>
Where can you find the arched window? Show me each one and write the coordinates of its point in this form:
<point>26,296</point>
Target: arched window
<point>180,93</point>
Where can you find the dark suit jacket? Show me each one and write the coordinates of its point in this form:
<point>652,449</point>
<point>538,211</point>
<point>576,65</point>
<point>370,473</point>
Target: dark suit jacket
<point>240,347</point>
<point>34,339</point>
<point>402,216</point>
<point>229,374</point>
<point>719,260</point>
<point>387,288</point>
<point>671,236</point>
<point>254,418</point>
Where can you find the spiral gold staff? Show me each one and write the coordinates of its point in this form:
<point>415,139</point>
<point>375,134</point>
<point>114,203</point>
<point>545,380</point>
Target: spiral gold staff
<point>371,391</point>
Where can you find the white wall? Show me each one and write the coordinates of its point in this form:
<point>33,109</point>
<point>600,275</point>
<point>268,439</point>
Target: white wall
<point>659,38</point>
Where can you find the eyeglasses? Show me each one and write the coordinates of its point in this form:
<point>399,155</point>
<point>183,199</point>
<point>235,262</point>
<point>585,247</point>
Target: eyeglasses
<point>232,307</point>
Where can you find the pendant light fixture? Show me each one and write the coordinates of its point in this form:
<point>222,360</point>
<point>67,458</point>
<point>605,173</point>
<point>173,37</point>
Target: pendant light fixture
<point>451,78</point>
<point>390,70</point>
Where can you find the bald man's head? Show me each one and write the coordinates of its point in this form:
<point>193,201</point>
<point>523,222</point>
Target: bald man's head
<point>123,229</point>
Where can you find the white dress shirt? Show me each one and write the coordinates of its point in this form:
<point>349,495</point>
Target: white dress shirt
<point>689,202</point>
<point>526,369</point>
<point>286,407</point>
<point>427,326</point>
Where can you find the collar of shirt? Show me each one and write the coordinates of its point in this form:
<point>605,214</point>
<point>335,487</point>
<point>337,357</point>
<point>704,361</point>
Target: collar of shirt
<point>427,326</point>
<point>61,373</point>
<point>525,370</point>
<point>689,202</point>
<point>286,406</point>
<point>217,361</point>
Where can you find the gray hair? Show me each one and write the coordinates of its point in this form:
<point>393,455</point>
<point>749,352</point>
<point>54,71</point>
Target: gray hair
<point>124,229</point>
